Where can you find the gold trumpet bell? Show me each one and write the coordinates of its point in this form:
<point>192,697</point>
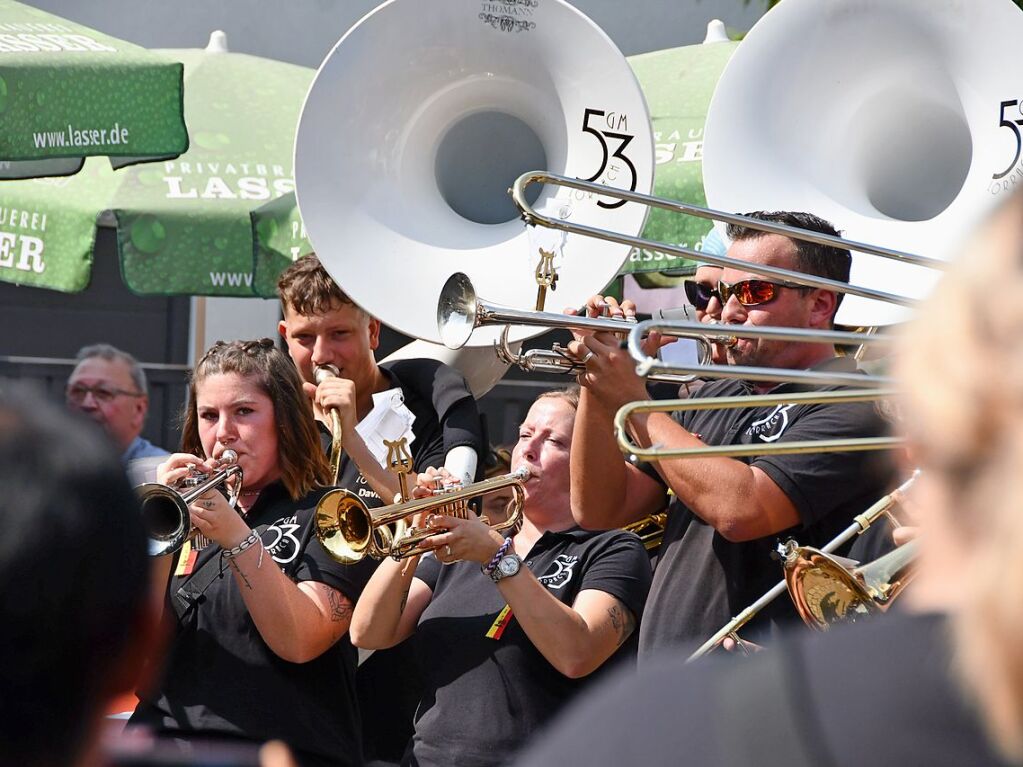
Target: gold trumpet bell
<point>343,527</point>
<point>825,591</point>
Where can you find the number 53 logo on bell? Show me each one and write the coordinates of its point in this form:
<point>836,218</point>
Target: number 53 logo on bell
<point>614,167</point>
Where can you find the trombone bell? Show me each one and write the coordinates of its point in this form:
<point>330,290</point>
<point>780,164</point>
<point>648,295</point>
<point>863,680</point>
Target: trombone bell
<point>825,591</point>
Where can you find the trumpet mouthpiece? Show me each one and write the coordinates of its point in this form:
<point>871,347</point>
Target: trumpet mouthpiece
<point>322,372</point>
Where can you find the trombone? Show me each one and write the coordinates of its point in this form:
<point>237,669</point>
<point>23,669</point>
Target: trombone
<point>647,365</point>
<point>533,218</point>
<point>165,509</point>
<point>460,311</point>
<point>346,527</point>
<point>635,452</point>
<point>859,525</point>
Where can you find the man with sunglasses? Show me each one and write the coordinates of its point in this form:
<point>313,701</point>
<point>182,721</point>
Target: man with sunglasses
<point>728,514</point>
<point>109,386</point>
<point>702,293</point>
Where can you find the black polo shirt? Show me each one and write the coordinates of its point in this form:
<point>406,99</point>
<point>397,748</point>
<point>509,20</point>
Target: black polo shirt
<point>221,678</point>
<point>701,579</point>
<point>389,684</point>
<point>486,695</point>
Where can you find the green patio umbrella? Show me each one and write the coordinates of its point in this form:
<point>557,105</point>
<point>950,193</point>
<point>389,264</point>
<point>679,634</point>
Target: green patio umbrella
<point>68,92</point>
<point>183,225</point>
<point>678,84</point>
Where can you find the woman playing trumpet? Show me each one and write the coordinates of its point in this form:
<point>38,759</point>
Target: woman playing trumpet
<point>506,634</point>
<point>261,612</point>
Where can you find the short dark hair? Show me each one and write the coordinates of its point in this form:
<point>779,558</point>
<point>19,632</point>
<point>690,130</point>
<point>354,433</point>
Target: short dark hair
<point>300,456</point>
<point>818,260</point>
<point>306,288</point>
<point>75,572</point>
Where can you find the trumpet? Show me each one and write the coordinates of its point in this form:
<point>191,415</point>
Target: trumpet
<point>346,527</point>
<point>165,509</point>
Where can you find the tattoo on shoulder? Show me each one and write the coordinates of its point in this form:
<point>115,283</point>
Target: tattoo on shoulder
<point>622,622</point>
<point>340,607</point>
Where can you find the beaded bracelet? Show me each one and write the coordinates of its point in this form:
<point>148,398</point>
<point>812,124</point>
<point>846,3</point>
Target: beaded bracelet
<point>490,566</point>
<point>251,540</point>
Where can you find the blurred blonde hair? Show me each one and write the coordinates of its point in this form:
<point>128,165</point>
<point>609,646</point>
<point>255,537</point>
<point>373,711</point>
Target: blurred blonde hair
<point>962,363</point>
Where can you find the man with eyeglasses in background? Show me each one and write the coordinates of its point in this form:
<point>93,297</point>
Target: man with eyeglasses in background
<point>109,386</point>
<point>728,514</point>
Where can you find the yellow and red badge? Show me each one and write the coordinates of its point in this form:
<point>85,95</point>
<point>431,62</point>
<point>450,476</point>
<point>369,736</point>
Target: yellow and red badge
<point>500,623</point>
<point>186,560</point>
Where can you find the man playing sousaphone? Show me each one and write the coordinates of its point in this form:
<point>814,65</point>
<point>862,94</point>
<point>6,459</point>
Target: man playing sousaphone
<point>322,326</point>
<point>727,513</point>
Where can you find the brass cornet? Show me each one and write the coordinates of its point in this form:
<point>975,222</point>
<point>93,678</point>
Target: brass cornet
<point>346,527</point>
<point>165,509</point>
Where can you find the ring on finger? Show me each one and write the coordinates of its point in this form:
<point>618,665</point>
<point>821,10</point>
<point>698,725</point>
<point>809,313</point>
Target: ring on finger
<point>447,550</point>
<point>587,358</point>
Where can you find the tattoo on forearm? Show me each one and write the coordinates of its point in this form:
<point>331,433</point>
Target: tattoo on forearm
<point>340,607</point>
<point>241,575</point>
<point>622,622</point>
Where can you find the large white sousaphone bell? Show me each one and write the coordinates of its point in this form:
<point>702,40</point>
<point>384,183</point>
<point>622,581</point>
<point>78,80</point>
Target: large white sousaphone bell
<point>897,120</point>
<point>421,118</point>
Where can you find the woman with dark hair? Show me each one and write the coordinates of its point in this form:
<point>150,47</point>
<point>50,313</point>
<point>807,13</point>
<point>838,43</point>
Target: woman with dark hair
<point>261,610</point>
<point>508,633</point>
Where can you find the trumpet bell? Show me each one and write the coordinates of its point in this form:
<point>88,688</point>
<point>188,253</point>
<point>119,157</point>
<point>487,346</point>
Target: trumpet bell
<point>164,517</point>
<point>343,526</point>
<point>885,118</point>
<point>403,160</point>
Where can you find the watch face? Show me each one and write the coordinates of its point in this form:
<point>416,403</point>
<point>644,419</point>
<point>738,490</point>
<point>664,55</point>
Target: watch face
<point>508,565</point>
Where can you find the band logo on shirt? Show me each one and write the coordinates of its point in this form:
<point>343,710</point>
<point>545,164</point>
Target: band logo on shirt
<point>772,426</point>
<point>560,571</point>
<point>280,540</point>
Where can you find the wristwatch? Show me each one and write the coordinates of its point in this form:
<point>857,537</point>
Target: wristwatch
<point>508,566</point>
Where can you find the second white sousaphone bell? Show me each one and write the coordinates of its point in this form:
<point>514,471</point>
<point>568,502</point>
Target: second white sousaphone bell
<point>898,121</point>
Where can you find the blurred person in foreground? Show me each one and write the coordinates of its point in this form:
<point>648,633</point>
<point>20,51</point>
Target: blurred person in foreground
<point>512,629</point>
<point>260,609</point>
<point>74,607</point>
<point>937,683</point>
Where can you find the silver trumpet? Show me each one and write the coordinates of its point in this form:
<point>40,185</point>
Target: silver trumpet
<point>165,509</point>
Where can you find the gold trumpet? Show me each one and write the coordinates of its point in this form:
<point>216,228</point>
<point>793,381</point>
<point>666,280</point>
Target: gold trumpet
<point>346,527</point>
<point>165,509</point>
<point>881,582</point>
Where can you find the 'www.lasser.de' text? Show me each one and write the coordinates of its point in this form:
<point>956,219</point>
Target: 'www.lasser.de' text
<point>74,137</point>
